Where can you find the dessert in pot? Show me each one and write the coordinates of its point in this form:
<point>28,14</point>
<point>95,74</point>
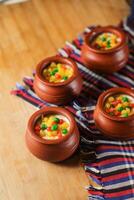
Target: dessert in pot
<point>52,127</point>
<point>105,49</point>
<point>57,72</point>
<point>106,41</point>
<point>57,80</point>
<point>120,105</point>
<point>114,113</point>
<point>52,134</point>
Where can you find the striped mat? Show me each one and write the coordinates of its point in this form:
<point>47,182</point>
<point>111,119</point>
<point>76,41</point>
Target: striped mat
<point>109,164</point>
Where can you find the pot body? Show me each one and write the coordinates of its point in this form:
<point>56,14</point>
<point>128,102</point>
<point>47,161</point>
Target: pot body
<point>106,61</point>
<point>115,127</point>
<point>52,150</point>
<point>59,93</point>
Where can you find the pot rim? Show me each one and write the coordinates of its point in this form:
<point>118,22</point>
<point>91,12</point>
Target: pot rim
<point>98,30</point>
<point>47,110</point>
<point>113,91</point>
<point>41,65</point>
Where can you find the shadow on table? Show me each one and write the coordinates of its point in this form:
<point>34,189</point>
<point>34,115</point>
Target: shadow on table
<point>73,161</point>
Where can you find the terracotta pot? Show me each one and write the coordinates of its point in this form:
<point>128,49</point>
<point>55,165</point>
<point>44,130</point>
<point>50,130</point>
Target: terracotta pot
<point>105,61</point>
<point>113,126</point>
<point>57,93</point>
<point>52,150</point>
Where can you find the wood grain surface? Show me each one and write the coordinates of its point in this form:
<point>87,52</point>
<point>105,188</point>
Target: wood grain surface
<point>29,32</point>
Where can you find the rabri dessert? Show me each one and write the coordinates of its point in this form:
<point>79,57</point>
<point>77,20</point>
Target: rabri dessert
<point>120,105</point>
<point>52,127</point>
<point>106,41</point>
<point>57,72</point>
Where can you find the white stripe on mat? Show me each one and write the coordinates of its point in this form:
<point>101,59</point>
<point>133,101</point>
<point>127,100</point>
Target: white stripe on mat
<point>87,153</point>
<point>77,51</point>
<point>81,117</point>
<point>118,185</point>
<point>115,169</point>
<point>87,128</point>
<point>86,141</point>
<point>92,169</point>
<point>90,85</point>
<point>87,30</point>
<point>116,153</point>
<point>114,142</point>
<point>130,68</point>
<point>129,80</point>
<point>6,2</point>
<point>83,108</point>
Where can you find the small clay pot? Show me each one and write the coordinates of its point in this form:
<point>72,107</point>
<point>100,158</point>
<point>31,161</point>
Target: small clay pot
<point>52,150</point>
<point>113,126</point>
<point>105,61</point>
<point>57,93</point>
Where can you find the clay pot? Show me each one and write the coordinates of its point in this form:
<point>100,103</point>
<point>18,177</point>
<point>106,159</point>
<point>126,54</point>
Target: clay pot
<point>113,126</point>
<point>105,61</point>
<point>52,150</point>
<point>57,93</point>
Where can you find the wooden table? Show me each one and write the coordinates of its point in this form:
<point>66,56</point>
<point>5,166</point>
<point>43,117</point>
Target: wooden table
<point>30,32</point>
